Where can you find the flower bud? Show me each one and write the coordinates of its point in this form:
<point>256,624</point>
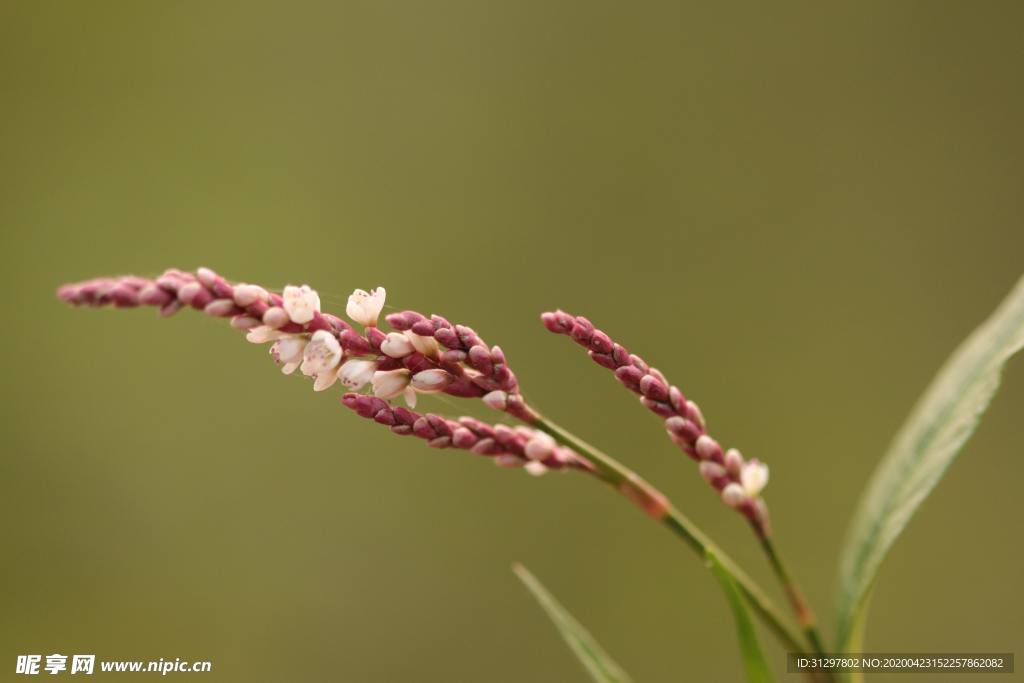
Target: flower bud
<point>390,383</point>
<point>708,449</point>
<point>396,345</point>
<point>540,447</point>
<point>430,380</point>
<point>496,399</point>
<point>733,495</point>
<point>301,303</point>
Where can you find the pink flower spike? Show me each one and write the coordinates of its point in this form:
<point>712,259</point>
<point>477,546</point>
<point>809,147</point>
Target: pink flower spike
<point>739,482</point>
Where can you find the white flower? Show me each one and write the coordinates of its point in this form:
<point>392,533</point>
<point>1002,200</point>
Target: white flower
<point>396,345</point>
<point>262,334</point>
<point>325,379</point>
<point>364,307</point>
<point>288,352</point>
<point>754,477</point>
<point>390,383</point>
<point>355,373</point>
<point>426,345</point>
<point>429,381</point>
<point>301,303</point>
<point>322,353</point>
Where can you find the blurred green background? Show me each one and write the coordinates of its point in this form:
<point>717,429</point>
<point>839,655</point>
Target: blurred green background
<point>796,210</point>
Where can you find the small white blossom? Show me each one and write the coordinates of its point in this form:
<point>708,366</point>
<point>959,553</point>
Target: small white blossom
<point>301,303</point>
<point>396,345</point>
<point>322,353</point>
<point>426,345</point>
<point>262,334</point>
<point>356,372</point>
<point>365,307</point>
<point>390,383</point>
<point>429,381</point>
<point>754,477</point>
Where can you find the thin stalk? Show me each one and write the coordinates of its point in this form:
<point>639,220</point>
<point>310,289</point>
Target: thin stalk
<point>655,504</point>
<point>803,612</point>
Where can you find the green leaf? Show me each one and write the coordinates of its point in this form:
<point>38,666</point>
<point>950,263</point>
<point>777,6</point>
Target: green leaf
<point>596,661</point>
<point>942,421</point>
<point>753,659</point>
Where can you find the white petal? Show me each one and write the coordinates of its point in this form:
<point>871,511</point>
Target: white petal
<point>289,368</point>
<point>301,303</point>
<point>409,395</point>
<point>426,345</point>
<point>754,477</point>
<point>355,373</point>
<point>262,335</point>
<point>396,345</point>
<point>325,380</point>
<point>289,349</point>
<point>390,383</point>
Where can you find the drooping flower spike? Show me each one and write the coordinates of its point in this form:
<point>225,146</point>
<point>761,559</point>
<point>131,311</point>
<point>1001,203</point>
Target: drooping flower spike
<point>738,481</point>
<point>509,446</point>
<point>404,362</point>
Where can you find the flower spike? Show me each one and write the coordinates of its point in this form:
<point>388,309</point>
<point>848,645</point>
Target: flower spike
<point>738,482</point>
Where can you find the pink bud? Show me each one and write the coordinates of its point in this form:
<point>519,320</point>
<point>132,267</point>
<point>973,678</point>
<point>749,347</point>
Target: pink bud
<point>276,318</point>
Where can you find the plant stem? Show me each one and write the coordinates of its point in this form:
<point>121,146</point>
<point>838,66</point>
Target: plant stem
<point>657,506</point>
<point>803,612</point>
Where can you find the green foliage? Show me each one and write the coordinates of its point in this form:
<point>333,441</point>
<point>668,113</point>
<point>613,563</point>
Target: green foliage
<point>596,661</point>
<point>753,659</point>
<point>929,440</point>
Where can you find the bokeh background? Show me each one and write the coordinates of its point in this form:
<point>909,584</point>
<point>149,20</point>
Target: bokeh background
<point>796,210</point>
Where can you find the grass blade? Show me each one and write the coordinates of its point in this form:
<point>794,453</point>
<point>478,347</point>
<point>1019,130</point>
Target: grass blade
<point>753,659</point>
<point>928,442</point>
<point>596,661</point>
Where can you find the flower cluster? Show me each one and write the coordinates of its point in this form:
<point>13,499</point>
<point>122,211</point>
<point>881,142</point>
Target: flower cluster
<point>509,446</point>
<point>420,355</point>
<point>738,481</point>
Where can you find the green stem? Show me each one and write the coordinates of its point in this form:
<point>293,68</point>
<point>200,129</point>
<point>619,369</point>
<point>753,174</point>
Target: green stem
<point>803,612</point>
<point>657,506</point>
